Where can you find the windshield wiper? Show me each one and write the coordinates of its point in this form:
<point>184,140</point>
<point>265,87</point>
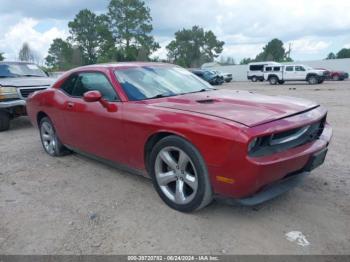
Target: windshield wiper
<point>32,75</point>
<point>159,96</point>
<point>198,91</point>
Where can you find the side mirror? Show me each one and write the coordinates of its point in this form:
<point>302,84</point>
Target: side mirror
<point>92,96</point>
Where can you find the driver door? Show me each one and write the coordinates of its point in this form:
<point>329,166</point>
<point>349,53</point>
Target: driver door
<point>89,126</point>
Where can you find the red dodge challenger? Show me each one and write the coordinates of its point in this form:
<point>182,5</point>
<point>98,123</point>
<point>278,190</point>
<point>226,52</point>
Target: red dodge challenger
<point>193,141</point>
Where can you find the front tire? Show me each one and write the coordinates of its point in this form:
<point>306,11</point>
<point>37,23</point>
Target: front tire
<point>4,121</point>
<point>273,80</point>
<point>254,79</point>
<point>49,139</point>
<point>312,80</point>
<point>179,174</point>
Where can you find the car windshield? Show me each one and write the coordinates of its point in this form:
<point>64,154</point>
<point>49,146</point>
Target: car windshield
<point>20,70</point>
<point>148,82</point>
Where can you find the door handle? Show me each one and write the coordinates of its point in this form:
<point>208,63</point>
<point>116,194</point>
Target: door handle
<point>70,105</point>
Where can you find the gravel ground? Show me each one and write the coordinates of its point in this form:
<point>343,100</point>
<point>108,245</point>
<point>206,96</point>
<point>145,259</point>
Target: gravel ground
<point>74,205</point>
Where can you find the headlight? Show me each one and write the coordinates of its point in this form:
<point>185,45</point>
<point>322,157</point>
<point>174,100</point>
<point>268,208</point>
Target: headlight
<point>8,92</point>
<point>252,144</point>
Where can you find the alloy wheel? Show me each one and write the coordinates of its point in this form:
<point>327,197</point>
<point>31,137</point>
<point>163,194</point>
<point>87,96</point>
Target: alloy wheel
<point>48,137</point>
<point>176,175</point>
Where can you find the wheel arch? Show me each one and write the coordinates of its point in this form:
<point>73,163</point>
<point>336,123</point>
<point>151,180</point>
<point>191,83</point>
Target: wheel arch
<point>153,140</point>
<point>272,75</point>
<point>40,115</point>
<point>310,75</point>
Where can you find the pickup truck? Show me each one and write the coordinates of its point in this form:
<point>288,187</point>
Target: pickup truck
<point>17,81</point>
<point>278,74</point>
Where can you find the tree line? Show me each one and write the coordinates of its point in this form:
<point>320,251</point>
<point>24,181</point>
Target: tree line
<point>342,53</point>
<point>123,33</point>
<point>272,51</point>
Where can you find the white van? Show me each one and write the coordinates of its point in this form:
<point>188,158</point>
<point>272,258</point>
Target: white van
<point>256,70</point>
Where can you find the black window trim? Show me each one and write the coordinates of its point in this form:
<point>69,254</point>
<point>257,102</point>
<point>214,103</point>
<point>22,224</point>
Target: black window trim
<point>89,71</point>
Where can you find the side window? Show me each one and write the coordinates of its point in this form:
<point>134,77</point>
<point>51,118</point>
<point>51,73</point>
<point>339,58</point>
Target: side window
<point>94,81</point>
<point>268,68</point>
<point>289,68</point>
<point>276,68</point>
<point>68,85</point>
<point>299,68</point>
<point>256,68</point>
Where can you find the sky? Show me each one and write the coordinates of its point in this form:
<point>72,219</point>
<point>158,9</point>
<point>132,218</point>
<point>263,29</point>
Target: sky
<point>314,28</point>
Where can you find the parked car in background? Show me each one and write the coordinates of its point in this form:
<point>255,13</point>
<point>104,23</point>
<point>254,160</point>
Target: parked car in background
<point>211,77</point>
<point>336,75</point>
<point>278,74</point>
<point>256,70</point>
<point>227,76</point>
<point>17,81</point>
<point>192,140</point>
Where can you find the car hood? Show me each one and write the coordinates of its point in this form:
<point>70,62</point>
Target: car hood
<point>247,108</point>
<point>27,81</point>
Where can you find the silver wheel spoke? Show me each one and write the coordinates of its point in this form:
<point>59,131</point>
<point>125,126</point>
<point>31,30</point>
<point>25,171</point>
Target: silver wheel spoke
<point>183,160</point>
<point>191,181</point>
<point>46,137</point>
<point>179,192</point>
<point>168,159</point>
<point>165,178</point>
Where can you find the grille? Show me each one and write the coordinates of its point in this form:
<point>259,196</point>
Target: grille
<point>288,139</point>
<point>25,92</point>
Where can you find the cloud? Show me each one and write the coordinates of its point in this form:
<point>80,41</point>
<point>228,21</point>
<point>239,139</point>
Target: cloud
<point>23,31</point>
<point>314,27</point>
<point>309,45</point>
<point>45,9</point>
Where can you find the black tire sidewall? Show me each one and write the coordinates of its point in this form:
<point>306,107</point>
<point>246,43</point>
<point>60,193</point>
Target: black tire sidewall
<point>275,80</point>
<point>310,81</point>
<point>199,164</point>
<point>4,121</point>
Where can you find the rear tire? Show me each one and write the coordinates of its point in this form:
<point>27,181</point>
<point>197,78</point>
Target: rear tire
<point>254,79</point>
<point>49,139</point>
<point>273,80</point>
<point>180,175</point>
<point>4,121</point>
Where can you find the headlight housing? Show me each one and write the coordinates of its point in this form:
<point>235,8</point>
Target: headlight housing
<point>253,144</point>
<point>8,92</point>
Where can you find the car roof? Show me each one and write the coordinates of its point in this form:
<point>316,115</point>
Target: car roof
<point>264,63</point>
<point>126,64</point>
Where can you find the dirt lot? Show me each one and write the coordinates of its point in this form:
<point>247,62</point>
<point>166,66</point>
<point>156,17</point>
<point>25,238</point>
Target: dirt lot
<point>74,205</point>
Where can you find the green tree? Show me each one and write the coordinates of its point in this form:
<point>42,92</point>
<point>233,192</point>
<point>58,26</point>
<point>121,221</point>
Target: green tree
<point>25,53</point>
<point>130,25</point>
<point>246,61</point>
<point>60,55</point>
<point>273,51</point>
<point>193,47</point>
<point>331,55</point>
<point>227,61</point>
<point>344,53</point>
<point>87,32</point>
<point>2,56</point>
